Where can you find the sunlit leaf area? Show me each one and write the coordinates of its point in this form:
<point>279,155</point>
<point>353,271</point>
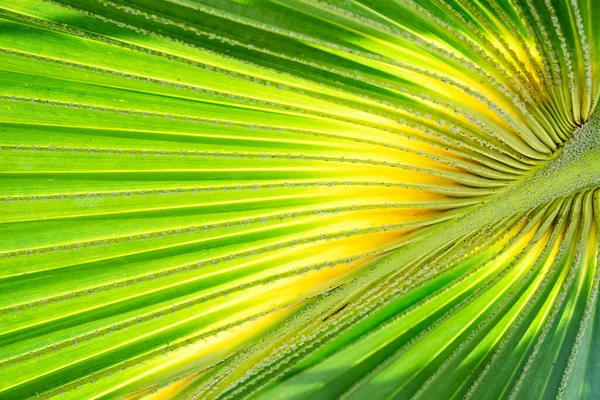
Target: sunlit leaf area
<point>299,199</point>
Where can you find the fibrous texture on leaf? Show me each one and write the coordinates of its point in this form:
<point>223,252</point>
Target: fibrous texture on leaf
<point>294,199</point>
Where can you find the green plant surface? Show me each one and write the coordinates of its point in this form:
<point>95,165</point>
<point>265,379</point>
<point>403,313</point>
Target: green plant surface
<point>299,199</point>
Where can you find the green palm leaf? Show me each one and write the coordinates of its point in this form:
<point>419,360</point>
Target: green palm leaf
<point>299,199</point>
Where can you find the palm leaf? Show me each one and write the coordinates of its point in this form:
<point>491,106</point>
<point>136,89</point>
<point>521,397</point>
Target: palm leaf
<point>299,199</point>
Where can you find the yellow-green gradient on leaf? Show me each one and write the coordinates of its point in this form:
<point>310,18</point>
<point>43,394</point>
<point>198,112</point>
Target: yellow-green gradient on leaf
<point>281,199</point>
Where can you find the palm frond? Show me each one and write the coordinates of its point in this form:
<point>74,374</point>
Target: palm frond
<point>299,198</point>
